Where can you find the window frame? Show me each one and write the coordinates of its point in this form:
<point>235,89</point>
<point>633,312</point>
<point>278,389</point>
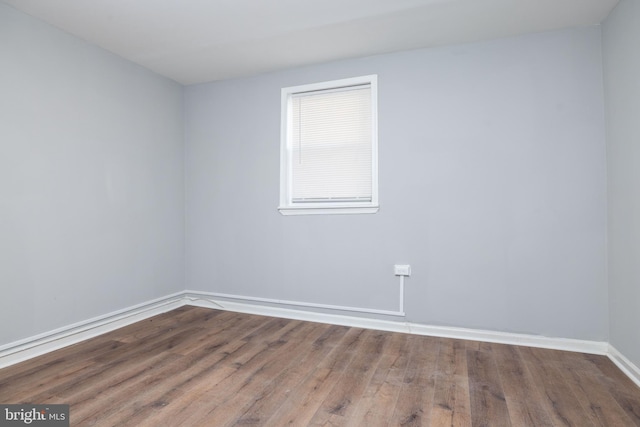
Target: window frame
<point>287,205</point>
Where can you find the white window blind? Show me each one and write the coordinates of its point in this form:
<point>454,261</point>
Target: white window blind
<point>331,145</point>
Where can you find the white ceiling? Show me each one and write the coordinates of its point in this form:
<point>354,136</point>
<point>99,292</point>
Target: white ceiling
<point>193,41</point>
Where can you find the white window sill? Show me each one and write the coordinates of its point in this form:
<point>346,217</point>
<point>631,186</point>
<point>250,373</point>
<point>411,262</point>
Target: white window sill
<point>326,210</point>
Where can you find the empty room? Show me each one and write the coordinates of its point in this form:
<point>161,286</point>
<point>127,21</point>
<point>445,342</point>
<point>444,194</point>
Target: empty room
<point>320,212</point>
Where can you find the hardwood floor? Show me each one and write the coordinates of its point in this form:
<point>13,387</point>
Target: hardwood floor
<point>201,367</point>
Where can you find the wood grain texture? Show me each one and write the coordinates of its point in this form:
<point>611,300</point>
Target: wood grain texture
<point>202,367</point>
<point>452,406</point>
<point>488,403</point>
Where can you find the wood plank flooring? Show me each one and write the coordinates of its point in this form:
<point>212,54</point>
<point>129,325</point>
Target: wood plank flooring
<point>201,367</point>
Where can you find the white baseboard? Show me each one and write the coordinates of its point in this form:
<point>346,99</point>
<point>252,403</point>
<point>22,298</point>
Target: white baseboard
<point>258,300</point>
<point>625,365</point>
<point>28,348</point>
<point>204,299</point>
<point>34,346</point>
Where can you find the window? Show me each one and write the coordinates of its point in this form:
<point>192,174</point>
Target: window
<point>329,149</point>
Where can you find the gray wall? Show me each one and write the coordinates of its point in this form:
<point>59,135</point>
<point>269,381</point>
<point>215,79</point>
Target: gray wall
<point>621,34</point>
<point>492,186</point>
<point>91,180</point>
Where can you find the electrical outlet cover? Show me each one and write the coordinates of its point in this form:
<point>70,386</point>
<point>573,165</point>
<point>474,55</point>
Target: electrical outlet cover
<point>402,270</point>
